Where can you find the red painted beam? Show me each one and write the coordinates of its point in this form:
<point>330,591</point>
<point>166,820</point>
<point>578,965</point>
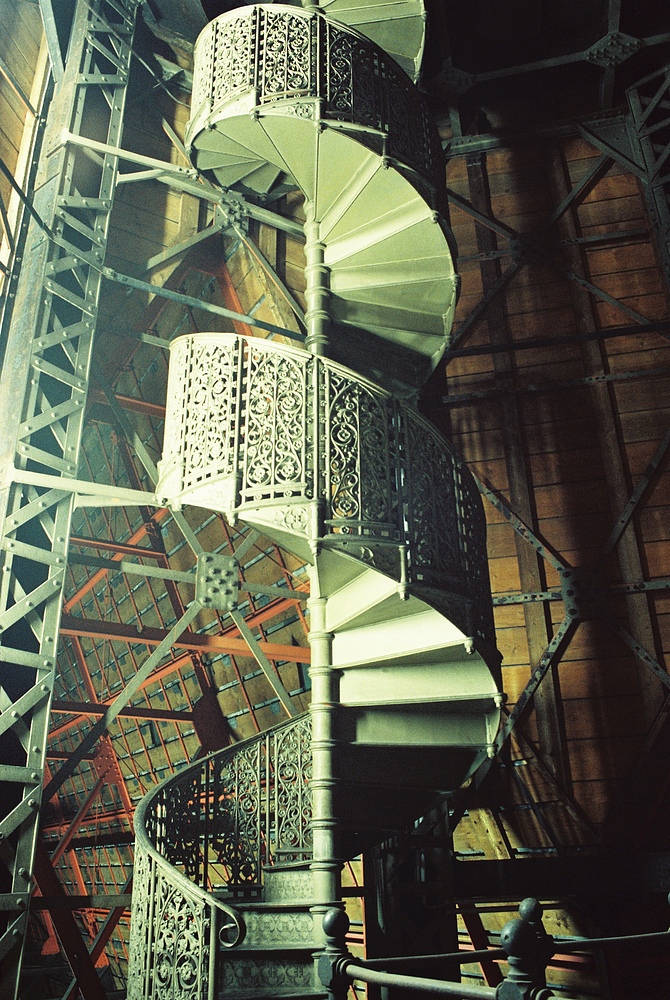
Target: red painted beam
<point>117,547</point>
<point>141,532</point>
<point>86,708</point>
<point>128,403</point>
<point>196,641</point>
<point>69,935</point>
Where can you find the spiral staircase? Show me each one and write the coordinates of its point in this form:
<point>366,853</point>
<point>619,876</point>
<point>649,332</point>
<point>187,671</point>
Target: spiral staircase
<point>322,450</point>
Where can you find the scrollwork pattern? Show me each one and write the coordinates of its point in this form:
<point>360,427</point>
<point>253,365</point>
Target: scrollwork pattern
<point>235,832</point>
<point>432,515</point>
<point>139,944</point>
<point>472,534</point>
<point>275,438</point>
<point>233,69</point>
<point>292,765</point>
<point>361,457</point>
<point>354,79</point>
<point>211,401</point>
<point>182,824</point>
<point>181,944</point>
<point>286,55</point>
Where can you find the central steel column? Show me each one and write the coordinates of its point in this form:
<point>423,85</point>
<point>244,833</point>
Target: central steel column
<point>325,866</point>
<point>317,291</point>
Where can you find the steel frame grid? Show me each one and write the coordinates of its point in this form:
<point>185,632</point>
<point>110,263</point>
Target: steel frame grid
<point>562,632</point>
<point>45,382</point>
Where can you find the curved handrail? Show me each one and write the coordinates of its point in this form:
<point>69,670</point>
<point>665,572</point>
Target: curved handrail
<point>202,823</point>
<point>206,830</point>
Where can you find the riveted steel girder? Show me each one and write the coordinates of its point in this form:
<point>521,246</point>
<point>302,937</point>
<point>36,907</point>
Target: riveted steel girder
<point>43,396</point>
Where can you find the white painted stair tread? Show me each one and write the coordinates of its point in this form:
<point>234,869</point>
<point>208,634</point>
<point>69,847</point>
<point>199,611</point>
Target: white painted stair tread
<point>415,729</point>
<point>396,236</point>
<point>387,285</point>
<point>228,176</point>
<point>462,683</point>
<point>212,159</point>
<point>248,133</point>
<point>393,325</point>
<point>386,204</point>
<point>396,639</point>
<point>264,178</point>
<point>295,142</point>
<point>365,597</point>
<point>344,169</point>
<point>398,27</point>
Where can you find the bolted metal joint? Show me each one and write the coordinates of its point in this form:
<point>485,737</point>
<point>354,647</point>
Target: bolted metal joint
<point>217,582</point>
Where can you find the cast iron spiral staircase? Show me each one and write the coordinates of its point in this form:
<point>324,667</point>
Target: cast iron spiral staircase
<point>323,451</point>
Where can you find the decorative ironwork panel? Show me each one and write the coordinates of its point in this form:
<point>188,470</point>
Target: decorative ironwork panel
<point>180,819</point>
<point>276,430</point>
<point>181,942</point>
<point>235,837</point>
<point>281,54</point>
<point>212,383</point>
<point>202,419</point>
<point>233,69</point>
<point>291,758</point>
<point>139,947</point>
<point>360,456</point>
<point>203,69</point>
<point>472,536</point>
<point>353,86</point>
<point>287,55</point>
<point>434,556</point>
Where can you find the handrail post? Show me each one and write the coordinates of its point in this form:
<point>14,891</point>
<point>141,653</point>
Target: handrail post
<point>529,949</point>
<point>335,927</point>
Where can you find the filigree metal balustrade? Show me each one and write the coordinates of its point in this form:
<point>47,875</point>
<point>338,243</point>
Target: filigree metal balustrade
<point>260,431</point>
<point>320,450</point>
<point>206,833</point>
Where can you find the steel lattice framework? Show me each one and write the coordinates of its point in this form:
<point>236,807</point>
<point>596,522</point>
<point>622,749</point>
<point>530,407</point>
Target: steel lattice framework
<point>48,358</point>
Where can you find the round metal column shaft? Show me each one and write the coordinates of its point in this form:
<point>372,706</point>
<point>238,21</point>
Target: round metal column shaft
<point>317,291</point>
<point>325,866</point>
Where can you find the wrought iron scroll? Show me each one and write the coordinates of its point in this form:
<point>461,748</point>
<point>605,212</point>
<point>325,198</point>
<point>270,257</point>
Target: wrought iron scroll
<point>220,821</point>
<point>174,930</point>
<point>242,412</point>
<point>291,839</point>
<point>214,826</point>
<point>275,55</point>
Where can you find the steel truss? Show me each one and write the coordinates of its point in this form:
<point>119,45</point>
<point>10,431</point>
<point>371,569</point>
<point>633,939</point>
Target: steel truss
<point>45,383</point>
<point>583,590</point>
<point>648,101</point>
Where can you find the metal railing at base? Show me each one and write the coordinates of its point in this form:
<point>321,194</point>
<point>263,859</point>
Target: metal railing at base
<point>526,947</point>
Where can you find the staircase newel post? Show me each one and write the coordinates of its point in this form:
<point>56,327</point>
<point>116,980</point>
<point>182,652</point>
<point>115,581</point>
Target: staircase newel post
<point>335,954</point>
<point>325,865</point>
<point>529,949</point>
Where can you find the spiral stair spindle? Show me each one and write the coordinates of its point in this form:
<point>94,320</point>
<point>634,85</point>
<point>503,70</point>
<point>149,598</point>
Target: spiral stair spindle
<point>323,451</point>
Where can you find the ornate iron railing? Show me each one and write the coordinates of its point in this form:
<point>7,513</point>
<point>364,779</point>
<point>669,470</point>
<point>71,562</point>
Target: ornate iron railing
<point>256,426</point>
<point>205,833</point>
<point>176,932</point>
<point>262,56</point>
<point>221,820</point>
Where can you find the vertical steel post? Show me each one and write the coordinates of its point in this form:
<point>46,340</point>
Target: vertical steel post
<point>42,398</point>
<point>317,291</point>
<point>325,866</point>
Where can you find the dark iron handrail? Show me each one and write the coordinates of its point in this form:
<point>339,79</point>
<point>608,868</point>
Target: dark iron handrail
<point>526,947</point>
